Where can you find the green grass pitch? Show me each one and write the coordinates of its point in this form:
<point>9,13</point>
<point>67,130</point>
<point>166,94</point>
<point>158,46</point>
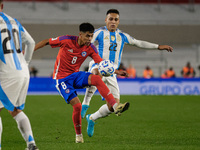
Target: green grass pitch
<point>151,123</point>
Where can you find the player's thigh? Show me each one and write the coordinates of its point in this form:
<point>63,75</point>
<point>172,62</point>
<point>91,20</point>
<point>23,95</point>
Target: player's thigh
<point>11,88</point>
<point>82,80</point>
<point>23,92</point>
<point>112,84</point>
<point>66,90</point>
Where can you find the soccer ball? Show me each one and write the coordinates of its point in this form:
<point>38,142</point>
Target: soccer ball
<point>106,68</point>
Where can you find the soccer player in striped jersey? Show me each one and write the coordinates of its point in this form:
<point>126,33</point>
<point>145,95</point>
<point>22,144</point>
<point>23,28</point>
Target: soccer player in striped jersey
<point>73,52</point>
<point>14,73</point>
<point>110,41</point>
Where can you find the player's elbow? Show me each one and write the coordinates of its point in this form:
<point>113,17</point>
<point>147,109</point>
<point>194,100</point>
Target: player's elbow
<point>30,42</point>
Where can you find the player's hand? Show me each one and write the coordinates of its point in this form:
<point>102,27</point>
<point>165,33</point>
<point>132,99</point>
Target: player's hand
<point>121,73</point>
<point>165,47</point>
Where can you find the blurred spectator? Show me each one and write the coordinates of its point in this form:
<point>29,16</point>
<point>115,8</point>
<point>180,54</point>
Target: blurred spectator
<point>199,70</point>
<point>188,71</point>
<point>148,73</point>
<point>169,73</point>
<point>131,71</point>
<point>164,75</point>
<point>33,71</point>
<point>121,68</point>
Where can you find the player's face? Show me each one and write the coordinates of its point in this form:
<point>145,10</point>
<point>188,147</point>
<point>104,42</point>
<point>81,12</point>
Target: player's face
<point>85,38</point>
<point>112,21</point>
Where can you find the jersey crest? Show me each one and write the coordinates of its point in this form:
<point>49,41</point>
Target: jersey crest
<point>113,38</point>
<point>84,54</point>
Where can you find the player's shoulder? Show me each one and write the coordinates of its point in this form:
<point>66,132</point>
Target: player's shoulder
<point>92,47</point>
<point>121,32</point>
<point>67,37</point>
<point>100,29</point>
<point>7,18</point>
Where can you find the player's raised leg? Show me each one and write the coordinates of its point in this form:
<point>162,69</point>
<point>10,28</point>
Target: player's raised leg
<point>86,101</point>
<point>93,68</point>
<point>105,92</point>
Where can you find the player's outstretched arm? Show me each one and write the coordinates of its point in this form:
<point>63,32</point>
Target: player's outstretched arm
<point>165,47</point>
<point>148,45</point>
<point>41,44</point>
<point>121,73</point>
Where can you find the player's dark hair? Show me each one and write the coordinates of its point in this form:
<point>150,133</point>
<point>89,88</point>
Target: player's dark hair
<point>84,27</point>
<point>1,1</point>
<point>112,11</point>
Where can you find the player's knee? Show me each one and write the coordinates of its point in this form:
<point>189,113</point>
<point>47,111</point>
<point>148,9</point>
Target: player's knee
<point>15,112</point>
<point>77,107</point>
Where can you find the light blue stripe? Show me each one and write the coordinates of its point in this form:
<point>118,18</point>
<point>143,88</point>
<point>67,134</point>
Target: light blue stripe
<point>20,35</point>
<point>93,66</point>
<point>124,39</point>
<point>5,101</point>
<point>16,60</point>
<point>21,107</point>
<point>30,138</point>
<point>112,52</point>
<point>2,58</point>
<point>100,39</point>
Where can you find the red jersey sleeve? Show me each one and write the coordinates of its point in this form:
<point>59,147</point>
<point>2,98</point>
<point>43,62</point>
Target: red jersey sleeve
<point>95,55</point>
<point>55,42</point>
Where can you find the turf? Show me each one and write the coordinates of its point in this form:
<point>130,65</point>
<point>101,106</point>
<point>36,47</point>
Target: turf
<point>151,123</point>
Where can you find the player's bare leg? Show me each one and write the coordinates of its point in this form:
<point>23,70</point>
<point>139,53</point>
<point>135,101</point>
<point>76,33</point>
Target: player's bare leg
<point>76,117</point>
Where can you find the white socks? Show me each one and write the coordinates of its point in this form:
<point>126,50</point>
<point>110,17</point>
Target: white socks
<point>88,95</point>
<point>24,127</point>
<point>115,106</point>
<point>102,112</point>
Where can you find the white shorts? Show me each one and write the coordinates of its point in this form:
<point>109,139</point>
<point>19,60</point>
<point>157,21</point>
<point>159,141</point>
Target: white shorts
<point>13,92</point>
<point>110,81</point>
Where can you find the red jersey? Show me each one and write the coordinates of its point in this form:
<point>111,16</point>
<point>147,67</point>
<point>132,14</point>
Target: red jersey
<point>71,55</point>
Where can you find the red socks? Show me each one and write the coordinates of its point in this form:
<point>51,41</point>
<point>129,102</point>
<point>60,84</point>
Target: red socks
<point>103,89</point>
<point>76,117</point>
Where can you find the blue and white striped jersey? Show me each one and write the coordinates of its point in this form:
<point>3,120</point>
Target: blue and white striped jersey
<point>12,35</point>
<point>110,44</point>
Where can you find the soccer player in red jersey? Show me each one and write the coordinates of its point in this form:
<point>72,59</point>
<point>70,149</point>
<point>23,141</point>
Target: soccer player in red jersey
<point>73,52</point>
